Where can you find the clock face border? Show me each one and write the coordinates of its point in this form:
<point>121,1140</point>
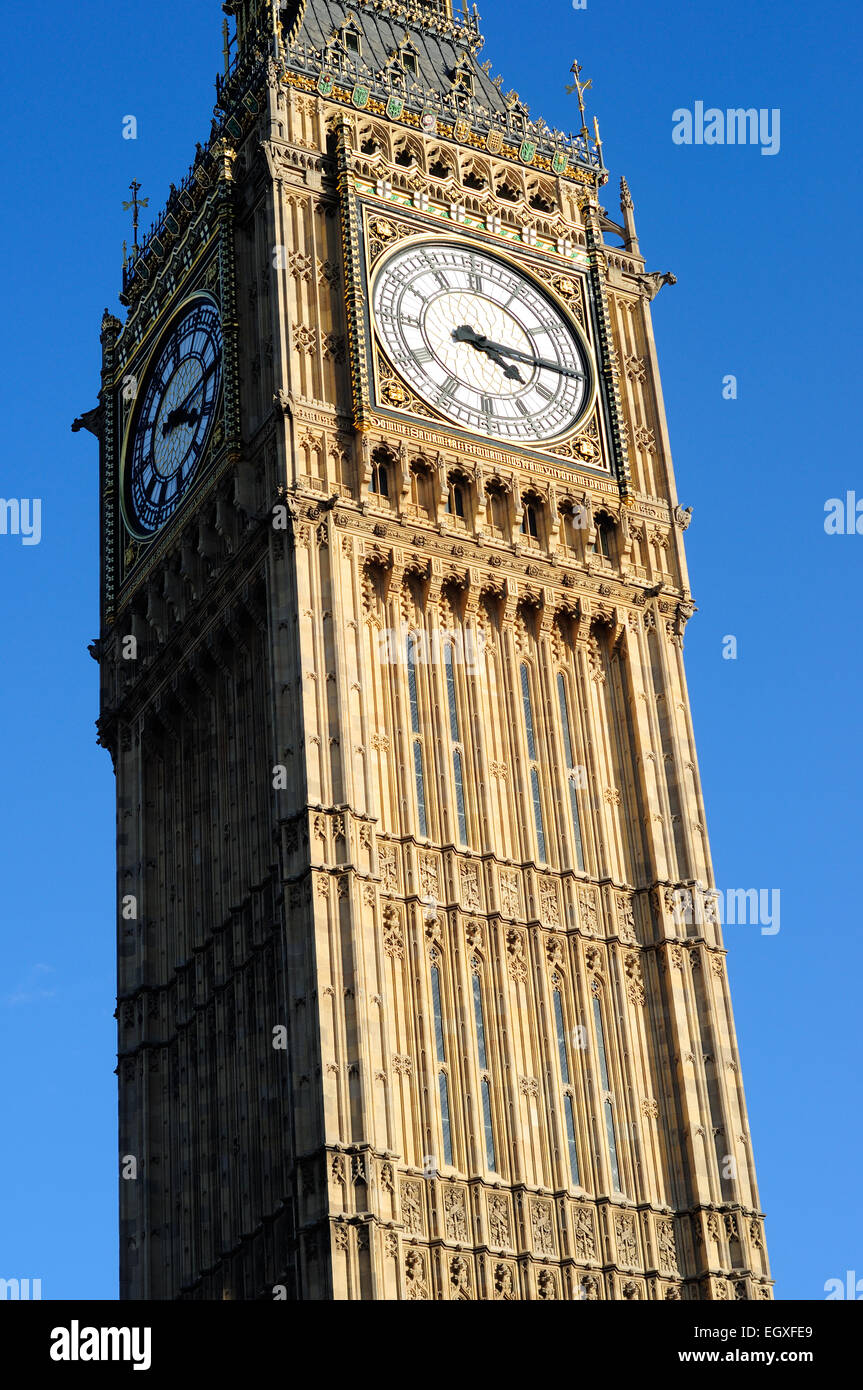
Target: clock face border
<point>526,269</point>
<point>133,529</point>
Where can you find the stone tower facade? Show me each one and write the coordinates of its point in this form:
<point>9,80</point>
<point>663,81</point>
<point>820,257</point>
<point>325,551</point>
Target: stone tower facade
<point>421,987</point>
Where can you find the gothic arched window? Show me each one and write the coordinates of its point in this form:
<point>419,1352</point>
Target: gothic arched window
<point>496,511</point>
<point>575,520</point>
<point>455,497</point>
<point>530,518</point>
<point>422,489</point>
<point>379,481</point>
<point>604,543</point>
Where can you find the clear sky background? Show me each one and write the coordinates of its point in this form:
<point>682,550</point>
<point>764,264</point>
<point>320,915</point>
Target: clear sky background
<point>766,250</point>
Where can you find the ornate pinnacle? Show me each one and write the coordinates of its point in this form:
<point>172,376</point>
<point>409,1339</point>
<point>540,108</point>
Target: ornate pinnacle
<point>630,237</point>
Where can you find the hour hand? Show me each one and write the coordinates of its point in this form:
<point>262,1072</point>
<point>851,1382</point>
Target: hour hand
<point>465,334</point>
<point>180,415</point>
<point>506,367</point>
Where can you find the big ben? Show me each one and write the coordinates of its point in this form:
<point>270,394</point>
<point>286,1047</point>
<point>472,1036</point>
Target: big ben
<point>422,990</point>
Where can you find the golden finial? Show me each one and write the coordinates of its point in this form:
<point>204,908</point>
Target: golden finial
<point>598,141</point>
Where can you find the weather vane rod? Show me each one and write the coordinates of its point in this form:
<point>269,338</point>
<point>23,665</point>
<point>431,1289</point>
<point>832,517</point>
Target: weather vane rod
<point>580,88</point>
<point>134,205</point>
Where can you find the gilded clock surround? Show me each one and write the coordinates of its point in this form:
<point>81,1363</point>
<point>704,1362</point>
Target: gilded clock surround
<point>264,741</point>
<point>543,277</point>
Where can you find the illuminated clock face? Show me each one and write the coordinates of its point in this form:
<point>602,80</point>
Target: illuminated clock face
<point>173,421</point>
<point>481,342</point>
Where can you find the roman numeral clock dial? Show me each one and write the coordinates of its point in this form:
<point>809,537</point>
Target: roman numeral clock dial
<point>480,341</point>
<point>171,424</point>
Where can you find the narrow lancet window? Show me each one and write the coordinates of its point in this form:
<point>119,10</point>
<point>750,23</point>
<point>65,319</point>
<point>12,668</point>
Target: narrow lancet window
<point>536,795</point>
<point>572,772</point>
<point>440,1050</point>
<point>419,770</point>
<point>607,1096</point>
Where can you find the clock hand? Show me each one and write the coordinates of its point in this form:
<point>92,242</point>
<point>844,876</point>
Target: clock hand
<point>483,344</point>
<point>179,413</point>
<point>178,416</point>
<point>512,372</point>
<point>491,350</point>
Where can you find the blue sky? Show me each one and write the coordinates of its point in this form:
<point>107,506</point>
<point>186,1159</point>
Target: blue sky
<point>764,249</point>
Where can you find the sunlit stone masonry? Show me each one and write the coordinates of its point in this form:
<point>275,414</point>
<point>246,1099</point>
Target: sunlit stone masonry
<point>393,602</point>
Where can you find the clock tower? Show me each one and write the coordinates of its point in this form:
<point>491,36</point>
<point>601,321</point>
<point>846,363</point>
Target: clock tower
<point>421,985</point>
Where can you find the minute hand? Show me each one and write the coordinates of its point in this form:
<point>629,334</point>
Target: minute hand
<point>483,344</point>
